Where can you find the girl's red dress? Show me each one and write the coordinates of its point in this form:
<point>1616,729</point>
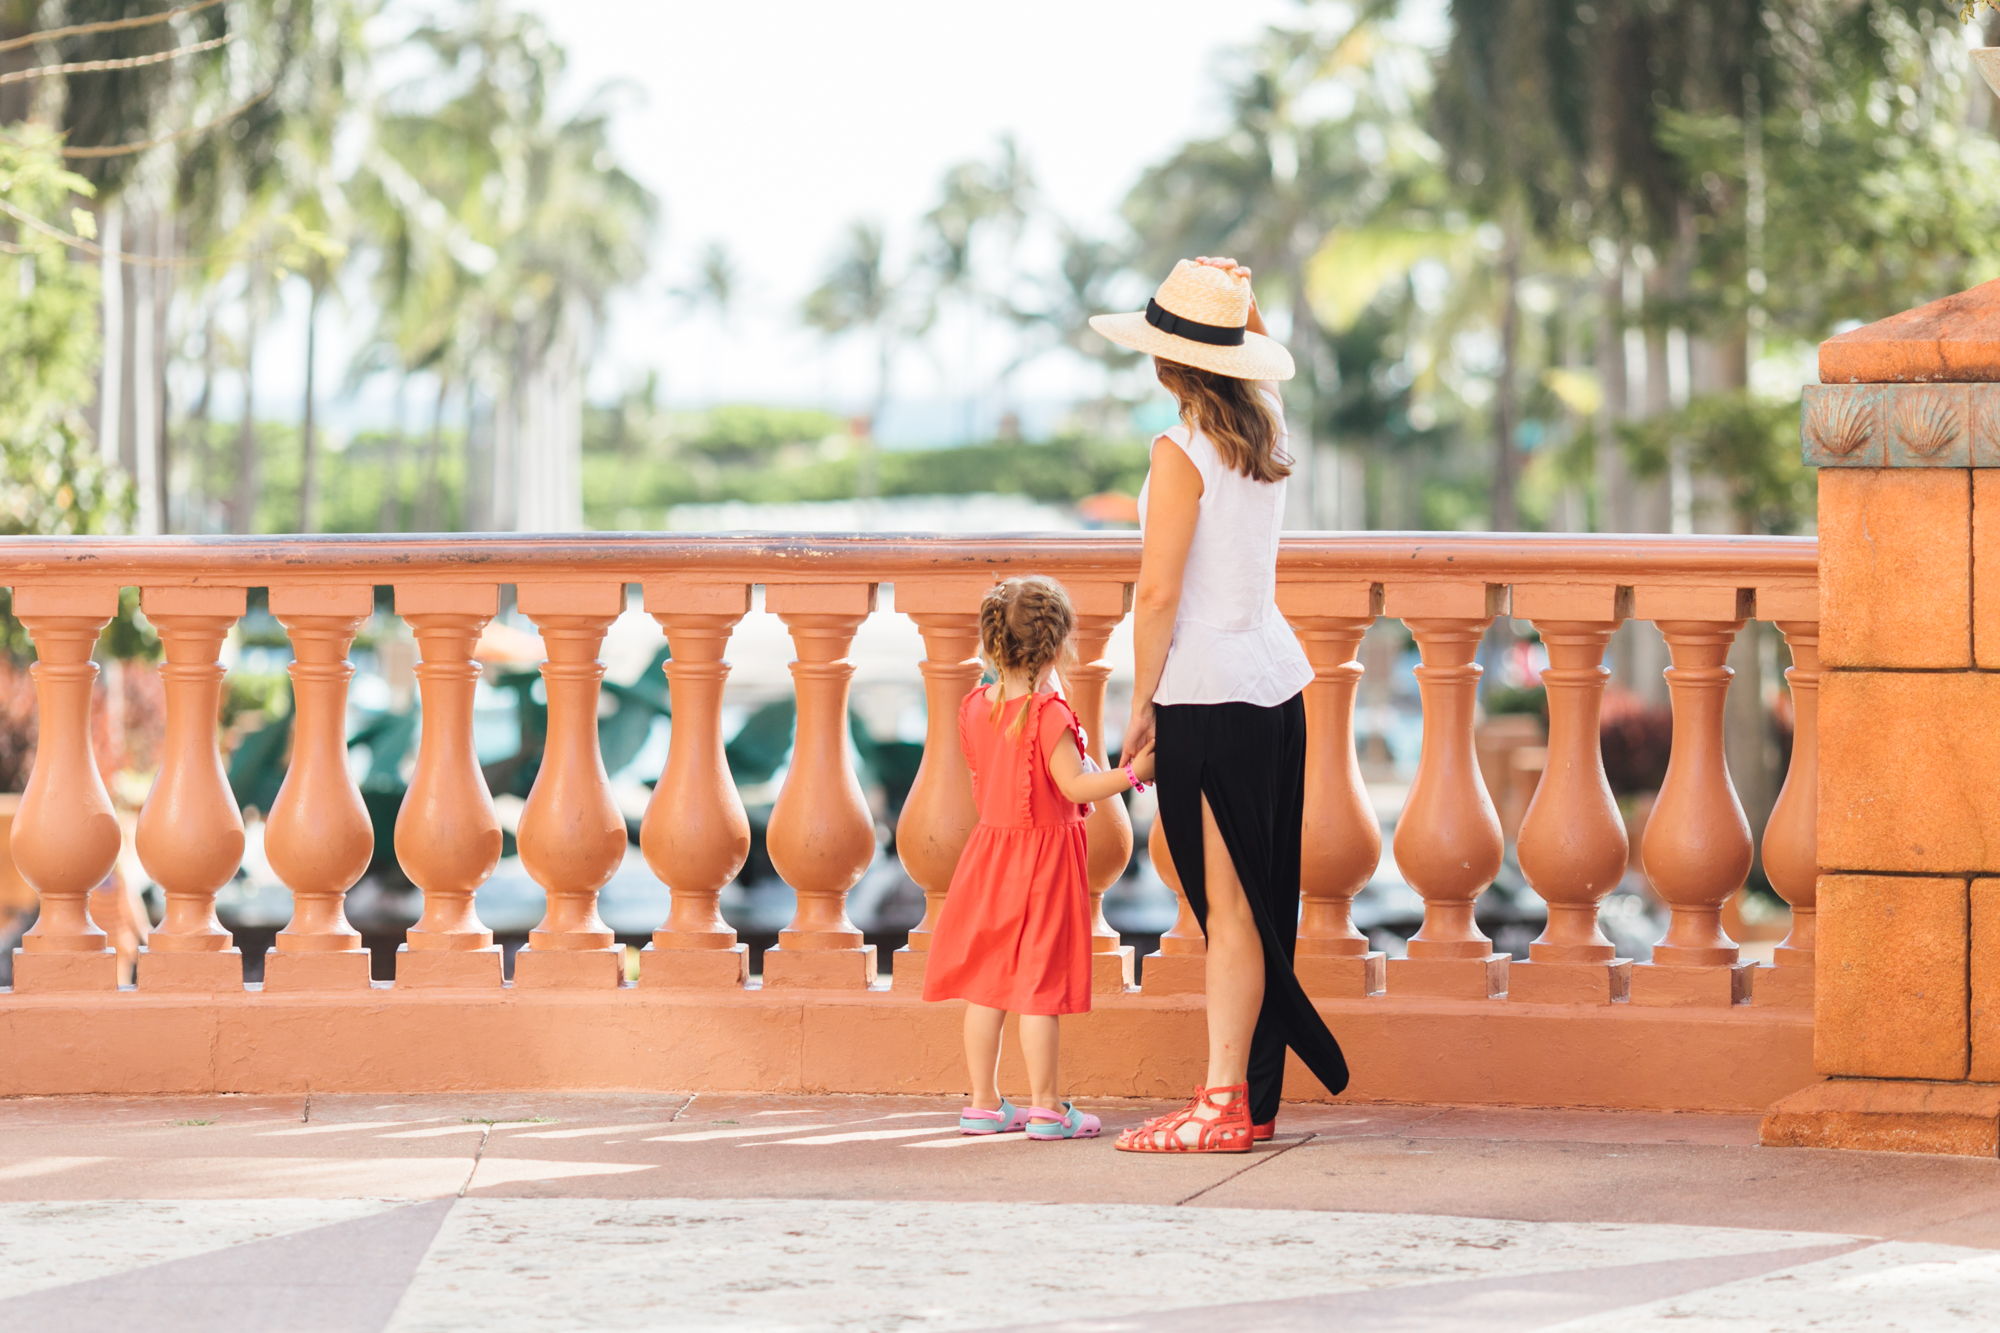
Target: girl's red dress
<point>1014,932</point>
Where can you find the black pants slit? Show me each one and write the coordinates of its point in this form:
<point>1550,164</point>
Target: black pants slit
<point>1250,763</point>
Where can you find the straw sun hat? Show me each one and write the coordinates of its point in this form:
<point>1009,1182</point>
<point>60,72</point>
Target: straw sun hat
<point>1197,319</point>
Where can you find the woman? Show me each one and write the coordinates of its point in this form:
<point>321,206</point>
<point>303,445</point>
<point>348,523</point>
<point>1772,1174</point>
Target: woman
<point>1219,676</point>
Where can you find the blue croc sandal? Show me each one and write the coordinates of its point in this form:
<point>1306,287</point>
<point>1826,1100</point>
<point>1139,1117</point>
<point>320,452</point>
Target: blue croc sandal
<point>1006,1120</point>
<point>1070,1123</point>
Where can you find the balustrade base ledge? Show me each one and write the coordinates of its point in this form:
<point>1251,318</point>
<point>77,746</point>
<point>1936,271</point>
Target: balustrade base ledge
<point>1176,974</point>
<point>1111,971</point>
<point>428,968</point>
<point>1450,978</point>
<point>1332,976</point>
<point>694,969</point>
<point>1530,982</point>
<point>316,971</point>
<point>1784,988</point>
<point>1888,1115</point>
<point>819,969</point>
<point>907,969</point>
<point>1474,1052</point>
<point>67,972</point>
<point>194,973</point>
<point>570,969</point>
<point>1718,984</point>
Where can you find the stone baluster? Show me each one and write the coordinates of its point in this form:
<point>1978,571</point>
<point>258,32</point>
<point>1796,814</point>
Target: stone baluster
<point>1448,842</point>
<point>1791,836</point>
<point>1180,965</point>
<point>65,838</point>
<point>939,813</point>
<point>1696,848</point>
<point>1342,838</point>
<point>821,835</point>
<point>695,834</point>
<point>447,833</point>
<point>318,836</point>
<point>1099,608</point>
<point>1572,845</point>
<point>571,835</point>
<point>190,835</point>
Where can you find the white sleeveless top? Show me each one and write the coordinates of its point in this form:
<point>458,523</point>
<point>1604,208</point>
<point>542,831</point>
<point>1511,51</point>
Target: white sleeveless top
<point>1230,643</point>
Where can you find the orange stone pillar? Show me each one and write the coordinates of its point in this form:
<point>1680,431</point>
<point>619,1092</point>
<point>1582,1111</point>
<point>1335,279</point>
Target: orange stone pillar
<point>1791,841</point>
<point>1572,845</point>
<point>1342,837</point>
<point>1180,965</point>
<point>1904,922</point>
<point>318,837</point>
<point>1696,850</point>
<point>1448,842</point>
<point>1099,608</point>
<point>65,838</point>
<point>190,835</point>
<point>821,835</point>
<point>695,834</point>
<point>572,836</point>
<point>939,813</point>
<point>447,833</point>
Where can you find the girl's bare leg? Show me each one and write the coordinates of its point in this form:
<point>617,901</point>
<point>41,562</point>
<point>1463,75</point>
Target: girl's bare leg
<point>1235,963</point>
<point>982,1054</point>
<point>1041,1043</point>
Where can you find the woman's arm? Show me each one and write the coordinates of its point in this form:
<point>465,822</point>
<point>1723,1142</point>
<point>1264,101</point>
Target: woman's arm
<point>1066,768</point>
<point>1172,503</point>
<point>1255,323</point>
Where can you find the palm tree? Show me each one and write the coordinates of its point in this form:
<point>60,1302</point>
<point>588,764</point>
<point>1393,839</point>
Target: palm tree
<point>859,294</point>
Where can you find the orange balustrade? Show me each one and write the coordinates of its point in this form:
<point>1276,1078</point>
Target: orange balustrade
<point>1572,847</point>
<point>821,835</point>
<point>318,837</point>
<point>820,1019</point>
<point>447,833</point>
<point>1342,842</point>
<point>695,834</point>
<point>190,834</point>
<point>1447,840</point>
<point>572,837</point>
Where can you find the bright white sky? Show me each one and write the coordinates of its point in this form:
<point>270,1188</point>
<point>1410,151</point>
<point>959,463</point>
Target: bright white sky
<point>770,124</point>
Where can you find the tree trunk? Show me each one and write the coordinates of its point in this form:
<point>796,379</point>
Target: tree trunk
<point>391,519</point>
<point>244,515</point>
<point>427,496</point>
<point>199,495</point>
<point>1506,411</point>
<point>165,246</point>
<point>308,444</point>
<point>111,390</point>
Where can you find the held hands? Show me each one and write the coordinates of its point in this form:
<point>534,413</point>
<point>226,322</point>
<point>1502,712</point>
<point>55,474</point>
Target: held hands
<point>1139,732</point>
<point>1141,762</point>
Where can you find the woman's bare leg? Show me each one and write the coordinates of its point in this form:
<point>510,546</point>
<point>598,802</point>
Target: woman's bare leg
<point>982,1054</point>
<point>1235,962</point>
<point>1041,1043</point>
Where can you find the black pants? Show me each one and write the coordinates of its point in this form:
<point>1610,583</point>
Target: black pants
<point>1250,763</point>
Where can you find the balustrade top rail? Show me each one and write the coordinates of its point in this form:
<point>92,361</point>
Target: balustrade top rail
<point>808,557</point>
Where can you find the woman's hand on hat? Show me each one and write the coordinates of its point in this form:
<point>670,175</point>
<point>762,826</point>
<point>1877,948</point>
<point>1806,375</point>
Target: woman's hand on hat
<point>1228,266</point>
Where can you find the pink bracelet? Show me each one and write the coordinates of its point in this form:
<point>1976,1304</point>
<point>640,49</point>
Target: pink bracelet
<point>1133,778</point>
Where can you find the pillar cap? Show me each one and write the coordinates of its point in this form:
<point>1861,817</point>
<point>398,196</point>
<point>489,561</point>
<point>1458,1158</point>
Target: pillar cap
<point>1955,339</point>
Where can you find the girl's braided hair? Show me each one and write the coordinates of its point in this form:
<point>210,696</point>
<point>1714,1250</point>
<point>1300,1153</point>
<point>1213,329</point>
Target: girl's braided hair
<point>1025,625</point>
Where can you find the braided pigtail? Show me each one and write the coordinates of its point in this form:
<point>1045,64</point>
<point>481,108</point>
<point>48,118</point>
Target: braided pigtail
<point>1025,625</point>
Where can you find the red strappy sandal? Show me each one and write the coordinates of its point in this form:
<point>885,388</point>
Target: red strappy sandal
<point>1229,1131</point>
<point>1265,1132</point>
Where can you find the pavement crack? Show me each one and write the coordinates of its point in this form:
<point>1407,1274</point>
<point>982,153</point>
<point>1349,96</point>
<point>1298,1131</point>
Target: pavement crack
<point>308,1116</point>
<point>485,1133</point>
<point>684,1107</point>
<point>1257,1160</point>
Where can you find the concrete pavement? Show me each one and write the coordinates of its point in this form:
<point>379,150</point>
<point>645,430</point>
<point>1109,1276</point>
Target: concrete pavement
<point>631,1211</point>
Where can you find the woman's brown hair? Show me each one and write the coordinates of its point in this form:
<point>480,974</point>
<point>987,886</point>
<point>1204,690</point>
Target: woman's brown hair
<point>1233,413</point>
<point>1024,625</point>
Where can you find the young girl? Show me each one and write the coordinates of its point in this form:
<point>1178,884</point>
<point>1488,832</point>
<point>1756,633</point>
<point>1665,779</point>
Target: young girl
<point>1014,933</point>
